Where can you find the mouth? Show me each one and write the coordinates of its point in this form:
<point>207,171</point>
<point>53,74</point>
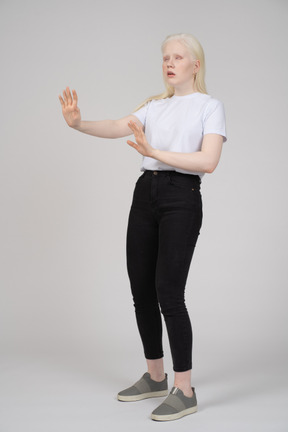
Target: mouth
<point>170,74</point>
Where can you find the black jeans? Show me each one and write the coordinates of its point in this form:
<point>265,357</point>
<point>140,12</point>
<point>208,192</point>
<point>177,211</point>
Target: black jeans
<point>163,227</point>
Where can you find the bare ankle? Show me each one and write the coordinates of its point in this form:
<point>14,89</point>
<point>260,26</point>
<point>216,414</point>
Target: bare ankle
<point>183,382</point>
<point>187,391</point>
<point>156,369</point>
<point>157,377</point>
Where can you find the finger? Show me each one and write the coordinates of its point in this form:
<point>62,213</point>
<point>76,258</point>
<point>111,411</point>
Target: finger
<point>69,95</point>
<point>138,129</point>
<point>75,96</point>
<point>135,128</point>
<point>132,124</point>
<point>132,144</point>
<point>65,98</point>
<point>61,100</point>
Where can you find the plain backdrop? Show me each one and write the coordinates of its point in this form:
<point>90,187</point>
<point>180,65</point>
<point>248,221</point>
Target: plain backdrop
<point>65,198</point>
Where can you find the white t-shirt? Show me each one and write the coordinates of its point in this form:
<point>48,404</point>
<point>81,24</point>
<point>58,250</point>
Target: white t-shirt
<point>178,124</point>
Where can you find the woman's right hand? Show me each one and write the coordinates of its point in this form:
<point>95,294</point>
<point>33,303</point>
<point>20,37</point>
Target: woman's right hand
<point>70,110</point>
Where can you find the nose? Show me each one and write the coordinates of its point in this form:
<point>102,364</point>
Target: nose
<point>170,64</point>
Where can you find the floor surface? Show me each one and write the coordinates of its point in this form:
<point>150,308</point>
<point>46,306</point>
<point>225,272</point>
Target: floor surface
<point>57,395</point>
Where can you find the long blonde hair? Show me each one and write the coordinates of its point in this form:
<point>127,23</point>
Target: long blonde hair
<point>196,50</point>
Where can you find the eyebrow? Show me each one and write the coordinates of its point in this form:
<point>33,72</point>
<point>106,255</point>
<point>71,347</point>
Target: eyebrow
<point>181,55</point>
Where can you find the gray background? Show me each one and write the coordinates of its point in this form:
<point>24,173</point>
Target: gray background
<point>69,340</point>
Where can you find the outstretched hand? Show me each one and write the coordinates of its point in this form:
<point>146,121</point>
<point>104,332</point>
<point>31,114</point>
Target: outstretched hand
<point>141,145</point>
<point>70,110</point>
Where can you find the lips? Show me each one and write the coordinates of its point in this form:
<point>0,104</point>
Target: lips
<point>170,74</point>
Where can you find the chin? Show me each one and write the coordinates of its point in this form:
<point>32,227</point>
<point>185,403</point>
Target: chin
<point>168,84</point>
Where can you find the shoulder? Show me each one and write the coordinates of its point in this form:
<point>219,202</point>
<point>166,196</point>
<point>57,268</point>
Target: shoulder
<point>213,104</point>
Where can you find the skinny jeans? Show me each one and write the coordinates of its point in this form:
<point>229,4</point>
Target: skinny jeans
<point>163,227</point>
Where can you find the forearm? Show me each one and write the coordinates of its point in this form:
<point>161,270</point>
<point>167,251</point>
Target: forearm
<point>197,161</point>
<point>101,128</point>
<point>205,160</point>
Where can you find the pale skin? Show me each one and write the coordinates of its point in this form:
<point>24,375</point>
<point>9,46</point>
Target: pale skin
<point>176,58</point>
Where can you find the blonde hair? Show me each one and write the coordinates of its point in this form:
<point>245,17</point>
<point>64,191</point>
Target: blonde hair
<point>195,49</point>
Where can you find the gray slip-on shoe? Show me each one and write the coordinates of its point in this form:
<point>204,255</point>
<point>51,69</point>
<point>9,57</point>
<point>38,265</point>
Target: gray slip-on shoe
<point>175,406</point>
<point>143,389</point>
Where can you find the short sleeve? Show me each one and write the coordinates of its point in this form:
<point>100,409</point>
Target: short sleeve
<point>141,114</point>
<point>214,119</point>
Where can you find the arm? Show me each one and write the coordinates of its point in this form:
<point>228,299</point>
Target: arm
<point>103,129</point>
<point>205,160</point>
<point>108,128</point>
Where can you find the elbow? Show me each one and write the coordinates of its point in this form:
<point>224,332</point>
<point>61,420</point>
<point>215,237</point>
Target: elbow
<point>210,168</point>
<point>209,171</point>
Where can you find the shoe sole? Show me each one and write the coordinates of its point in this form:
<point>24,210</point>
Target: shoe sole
<point>175,416</point>
<point>142,396</point>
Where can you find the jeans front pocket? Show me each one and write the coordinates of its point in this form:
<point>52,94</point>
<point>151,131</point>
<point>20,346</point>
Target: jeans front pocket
<point>185,181</point>
<point>186,186</point>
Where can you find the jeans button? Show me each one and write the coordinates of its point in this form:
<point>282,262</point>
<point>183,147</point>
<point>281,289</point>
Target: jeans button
<point>155,172</point>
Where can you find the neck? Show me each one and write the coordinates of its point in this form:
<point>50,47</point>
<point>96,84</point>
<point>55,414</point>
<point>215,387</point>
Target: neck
<point>183,92</point>
<point>185,89</point>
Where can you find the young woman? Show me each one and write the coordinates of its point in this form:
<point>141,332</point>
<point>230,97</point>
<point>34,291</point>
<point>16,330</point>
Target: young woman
<point>179,134</point>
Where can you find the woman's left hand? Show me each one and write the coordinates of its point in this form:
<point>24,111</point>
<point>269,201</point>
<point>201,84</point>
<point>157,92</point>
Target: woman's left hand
<point>141,145</point>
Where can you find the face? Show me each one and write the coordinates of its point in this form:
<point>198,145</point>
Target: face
<point>179,67</point>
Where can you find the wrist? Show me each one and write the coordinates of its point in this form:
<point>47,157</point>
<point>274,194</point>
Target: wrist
<point>155,153</point>
<point>77,126</point>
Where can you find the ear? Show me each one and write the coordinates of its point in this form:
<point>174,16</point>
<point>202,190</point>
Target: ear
<point>196,66</point>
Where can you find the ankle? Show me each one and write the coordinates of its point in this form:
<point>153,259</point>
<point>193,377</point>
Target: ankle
<point>156,369</point>
<point>158,377</point>
<point>182,380</point>
<point>187,391</point>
